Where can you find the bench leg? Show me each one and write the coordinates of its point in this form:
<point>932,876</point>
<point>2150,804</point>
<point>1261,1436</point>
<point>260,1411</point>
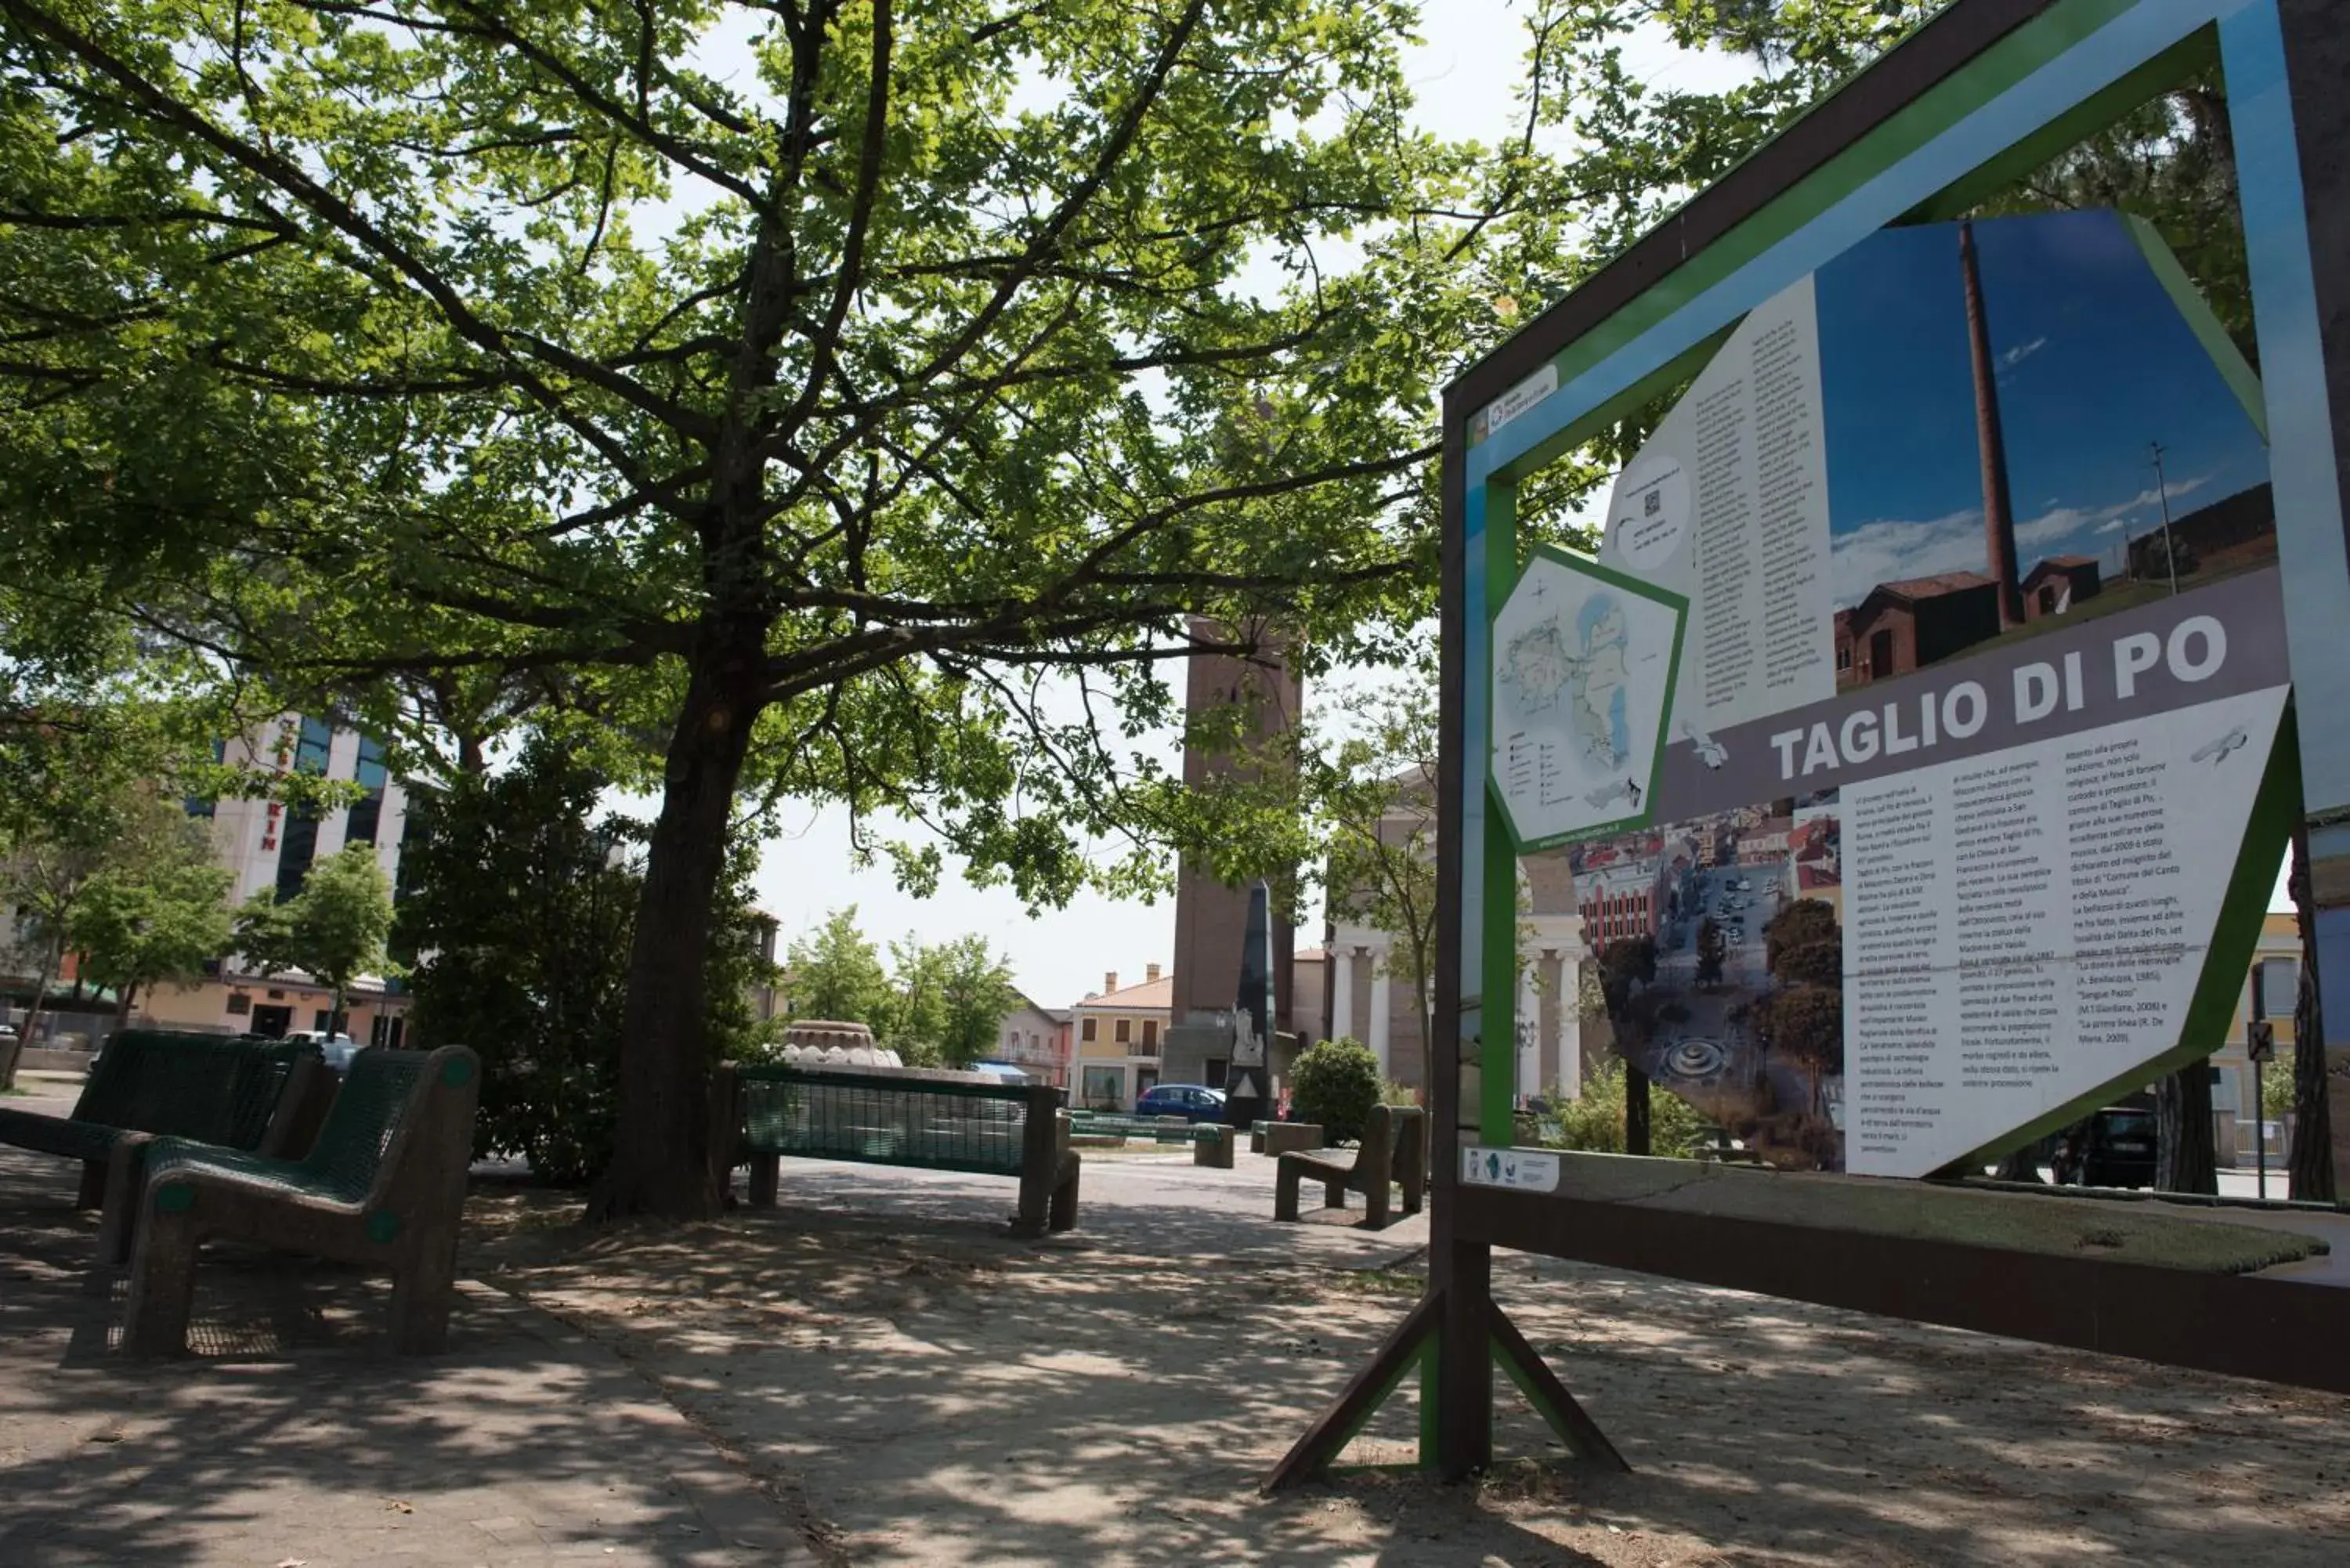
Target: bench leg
<point>1215,1152</point>
<point>93,1184</point>
<point>162,1282</point>
<point>1063,1215</point>
<point>763,1180</point>
<point>1285,1192</point>
<point>1334,1194</point>
<point>124,1189</point>
<point>1375,1206</point>
<point>423,1289</point>
<point>1038,1188</point>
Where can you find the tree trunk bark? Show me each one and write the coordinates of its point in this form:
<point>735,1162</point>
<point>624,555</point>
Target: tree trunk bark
<point>24,1041</point>
<point>659,1164</point>
<point>1636,1110</point>
<point>2309,1165</point>
<point>2185,1157</point>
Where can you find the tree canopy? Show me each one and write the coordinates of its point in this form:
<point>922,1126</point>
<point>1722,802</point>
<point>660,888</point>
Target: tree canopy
<point>765,393</point>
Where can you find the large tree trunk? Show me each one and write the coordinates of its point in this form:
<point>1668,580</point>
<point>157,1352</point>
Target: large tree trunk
<point>659,1162</point>
<point>2309,1165</point>
<point>2186,1160</point>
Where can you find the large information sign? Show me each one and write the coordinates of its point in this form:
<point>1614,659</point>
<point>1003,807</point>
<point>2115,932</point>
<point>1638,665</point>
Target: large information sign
<point>1984,668</point>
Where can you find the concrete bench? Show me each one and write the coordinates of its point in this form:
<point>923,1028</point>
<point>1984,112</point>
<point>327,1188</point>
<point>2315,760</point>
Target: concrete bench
<point>236,1091</point>
<point>1394,1151</point>
<point>382,1185</point>
<point>1211,1142</point>
<point>1289,1137</point>
<point>925,1119</point>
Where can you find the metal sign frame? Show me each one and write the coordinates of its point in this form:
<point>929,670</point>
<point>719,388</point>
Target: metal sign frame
<point>1983,93</point>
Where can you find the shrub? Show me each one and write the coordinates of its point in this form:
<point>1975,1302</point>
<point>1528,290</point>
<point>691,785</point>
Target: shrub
<point>1336,1084</point>
<point>1594,1122</point>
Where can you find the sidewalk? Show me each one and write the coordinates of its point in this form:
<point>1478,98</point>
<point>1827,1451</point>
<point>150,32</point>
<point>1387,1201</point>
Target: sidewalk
<point>298,1440</point>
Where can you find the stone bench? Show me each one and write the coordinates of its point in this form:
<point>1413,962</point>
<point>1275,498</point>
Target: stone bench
<point>925,1119</point>
<point>382,1185</point>
<point>233,1091</point>
<point>1393,1150</point>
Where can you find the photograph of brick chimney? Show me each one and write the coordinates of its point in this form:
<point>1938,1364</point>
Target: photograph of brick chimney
<point>2028,421</point>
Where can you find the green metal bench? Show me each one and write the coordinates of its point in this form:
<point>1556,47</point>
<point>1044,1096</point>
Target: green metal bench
<point>235,1090</point>
<point>931,1120</point>
<point>383,1184</point>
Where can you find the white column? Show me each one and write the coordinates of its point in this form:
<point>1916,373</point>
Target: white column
<point>1342,991</point>
<point>1570,1027</point>
<point>1529,1041</point>
<point>1379,1009</point>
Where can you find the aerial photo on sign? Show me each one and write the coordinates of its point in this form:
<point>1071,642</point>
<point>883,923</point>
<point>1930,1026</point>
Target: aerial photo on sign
<point>1984,673</point>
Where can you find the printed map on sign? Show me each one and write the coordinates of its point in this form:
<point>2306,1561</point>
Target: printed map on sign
<point>1583,673</point>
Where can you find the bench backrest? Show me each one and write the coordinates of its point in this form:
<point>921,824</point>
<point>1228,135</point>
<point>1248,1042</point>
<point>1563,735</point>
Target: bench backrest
<point>1391,1138</point>
<point>883,1119</point>
<point>213,1088</point>
<point>378,1093</point>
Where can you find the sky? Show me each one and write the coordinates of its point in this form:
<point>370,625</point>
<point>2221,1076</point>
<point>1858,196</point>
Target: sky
<point>2095,365</point>
<point>1465,75</point>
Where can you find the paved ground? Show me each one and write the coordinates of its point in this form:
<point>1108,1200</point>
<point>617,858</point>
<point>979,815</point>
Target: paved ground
<point>297,1439</point>
<point>873,1375</point>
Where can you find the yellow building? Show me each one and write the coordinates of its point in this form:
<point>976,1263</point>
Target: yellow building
<point>1117,1034</point>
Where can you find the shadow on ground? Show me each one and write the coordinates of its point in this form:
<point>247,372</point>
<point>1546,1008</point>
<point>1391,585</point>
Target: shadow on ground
<point>944,1396</point>
<point>902,1385</point>
<point>293,1436</point>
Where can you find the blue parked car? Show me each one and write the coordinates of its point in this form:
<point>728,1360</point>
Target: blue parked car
<point>1192,1102</point>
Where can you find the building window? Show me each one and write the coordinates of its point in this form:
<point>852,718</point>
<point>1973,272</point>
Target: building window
<point>1088,1029</point>
<point>1844,656</point>
<point>1150,1035</point>
<point>367,814</point>
<point>299,844</point>
<point>1125,1030</point>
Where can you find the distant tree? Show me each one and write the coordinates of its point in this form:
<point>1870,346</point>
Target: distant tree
<point>1378,794</point>
<point>1807,1028</point>
<point>334,930</point>
<point>520,902</point>
<point>835,971</point>
<point>156,918</point>
<point>914,1020</point>
<point>1712,950</point>
<point>976,996</point>
<point>1593,1120</point>
<point>2310,1165</point>
<point>1800,924</point>
<point>520,897</point>
<point>1334,1085</point>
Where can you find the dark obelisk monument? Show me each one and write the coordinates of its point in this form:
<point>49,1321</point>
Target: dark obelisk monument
<point>1247,1090</point>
